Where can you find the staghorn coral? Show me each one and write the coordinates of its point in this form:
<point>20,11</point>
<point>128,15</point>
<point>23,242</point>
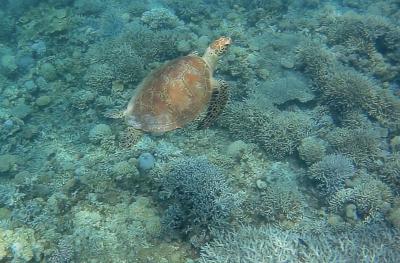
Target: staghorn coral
<point>368,41</point>
<point>376,30</point>
<point>190,11</point>
<point>64,252</point>
<point>390,172</point>
<point>152,45</point>
<point>128,65</point>
<point>370,198</point>
<point>249,244</point>
<point>348,90</point>
<point>345,90</point>
<point>317,60</point>
<point>82,99</point>
<point>200,191</point>
<point>278,134</point>
<point>331,173</point>
<point>280,204</point>
<point>361,145</point>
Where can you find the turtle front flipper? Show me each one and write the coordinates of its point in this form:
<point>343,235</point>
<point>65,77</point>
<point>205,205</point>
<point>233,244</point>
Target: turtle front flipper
<point>218,100</point>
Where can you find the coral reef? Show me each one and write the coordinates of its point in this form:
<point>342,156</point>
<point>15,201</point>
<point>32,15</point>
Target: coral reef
<point>278,203</point>
<point>302,166</point>
<point>361,145</point>
<point>331,173</point>
<point>390,172</point>
<point>19,245</point>
<point>369,199</point>
<point>271,244</point>
<point>289,88</point>
<point>312,149</point>
<point>99,77</point>
<point>364,36</point>
<point>200,193</point>
<point>278,133</point>
<point>159,18</point>
<point>347,90</point>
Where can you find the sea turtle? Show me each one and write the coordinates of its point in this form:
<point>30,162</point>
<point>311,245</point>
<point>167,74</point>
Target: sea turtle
<point>179,92</point>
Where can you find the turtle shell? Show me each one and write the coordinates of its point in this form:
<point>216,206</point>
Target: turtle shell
<point>171,96</point>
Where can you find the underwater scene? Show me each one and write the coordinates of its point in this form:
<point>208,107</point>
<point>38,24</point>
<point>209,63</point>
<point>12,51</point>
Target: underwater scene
<point>199,131</point>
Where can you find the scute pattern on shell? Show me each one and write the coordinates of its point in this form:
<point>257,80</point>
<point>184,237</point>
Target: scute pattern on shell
<point>171,96</point>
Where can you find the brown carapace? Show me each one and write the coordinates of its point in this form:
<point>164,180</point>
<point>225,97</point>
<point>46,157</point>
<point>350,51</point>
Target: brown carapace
<point>179,91</point>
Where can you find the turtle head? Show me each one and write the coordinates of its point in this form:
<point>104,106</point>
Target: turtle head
<point>217,48</point>
<point>220,45</point>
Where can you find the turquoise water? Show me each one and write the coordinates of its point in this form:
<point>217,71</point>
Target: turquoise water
<point>302,165</point>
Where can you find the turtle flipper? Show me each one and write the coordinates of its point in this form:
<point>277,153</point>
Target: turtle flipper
<point>219,98</point>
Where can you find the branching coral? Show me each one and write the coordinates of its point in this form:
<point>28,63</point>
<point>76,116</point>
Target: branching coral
<point>160,18</point>
<point>199,195</point>
<point>278,203</point>
<point>390,172</point>
<point>361,145</point>
<point>152,45</point>
<point>370,197</point>
<point>115,59</point>
<point>331,173</point>
<point>249,244</point>
<point>364,36</point>
<point>278,133</point>
<point>347,90</point>
<point>99,77</point>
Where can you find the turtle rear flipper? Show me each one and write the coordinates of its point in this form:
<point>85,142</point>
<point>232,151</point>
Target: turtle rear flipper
<point>218,100</point>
